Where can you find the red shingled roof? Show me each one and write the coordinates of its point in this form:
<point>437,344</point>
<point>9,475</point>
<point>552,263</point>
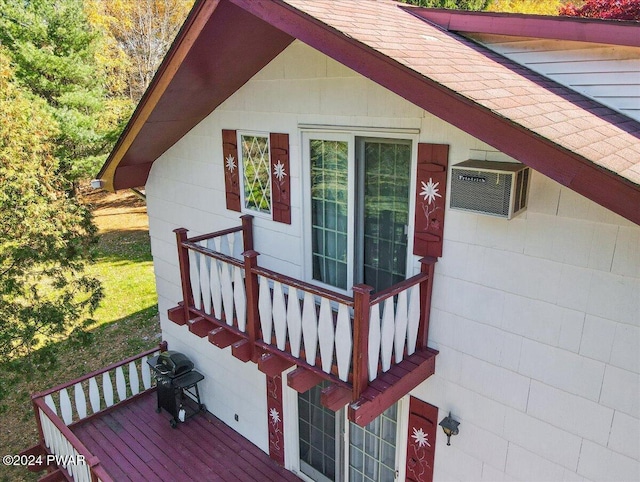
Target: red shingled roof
<point>574,140</point>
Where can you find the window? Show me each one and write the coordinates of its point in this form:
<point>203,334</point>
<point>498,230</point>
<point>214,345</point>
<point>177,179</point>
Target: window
<point>256,173</point>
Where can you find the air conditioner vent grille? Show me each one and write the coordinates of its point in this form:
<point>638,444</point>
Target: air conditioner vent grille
<point>488,187</point>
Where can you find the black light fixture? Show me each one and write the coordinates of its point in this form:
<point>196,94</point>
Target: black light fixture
<point>450,427</point>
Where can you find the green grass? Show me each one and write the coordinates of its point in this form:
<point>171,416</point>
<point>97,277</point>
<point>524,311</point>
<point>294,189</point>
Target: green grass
<point>125,324</point>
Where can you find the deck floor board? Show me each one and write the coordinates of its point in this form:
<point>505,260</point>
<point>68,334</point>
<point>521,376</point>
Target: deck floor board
<point>134,442</point>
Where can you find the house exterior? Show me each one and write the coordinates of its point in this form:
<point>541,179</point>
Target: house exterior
<point>300,163</point>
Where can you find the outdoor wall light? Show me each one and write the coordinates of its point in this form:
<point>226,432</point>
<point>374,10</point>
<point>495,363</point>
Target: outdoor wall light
<point>97,183</point>
<point>450,427</point>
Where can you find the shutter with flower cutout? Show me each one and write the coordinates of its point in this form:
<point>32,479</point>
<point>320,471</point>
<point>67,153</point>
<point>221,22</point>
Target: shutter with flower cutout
<point>280,177</point>
<point>421,440</point>
<point>231,172</point>
<point>431,184</point>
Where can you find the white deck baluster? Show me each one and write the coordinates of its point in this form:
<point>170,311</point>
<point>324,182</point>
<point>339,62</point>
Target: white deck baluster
<point>374,341</point>
<point>400,335</point>
<point>386,334</point>
<point>294,322</point>
<point>146,373</point>
<point>134,381</point>
<point>121,384</point>
<point>194,276</point>
<point>413,321</point>
<point>344,342</point>
<point>240,298</point>
<point>80,399</point>
<point>227,293</point>
<point>65,407</point>
<point>107,389</point>
<point>94,395</point>
<point>205,268</point>
<point>326,335</point>
<point>310,328</point>
<point>265,309</point>
<point>279,316</point>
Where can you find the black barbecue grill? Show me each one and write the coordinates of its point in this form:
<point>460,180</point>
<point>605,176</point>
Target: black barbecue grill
<point>176,385</point>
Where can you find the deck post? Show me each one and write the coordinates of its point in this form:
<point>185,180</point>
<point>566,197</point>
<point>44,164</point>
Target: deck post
<point>251,286</point>
<point>183,260</point>
<point>426,287</point>
<point>361,313</point>
<point>247,231</point>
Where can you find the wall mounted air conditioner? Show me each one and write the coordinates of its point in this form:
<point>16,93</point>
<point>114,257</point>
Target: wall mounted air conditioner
<point>488,187</point>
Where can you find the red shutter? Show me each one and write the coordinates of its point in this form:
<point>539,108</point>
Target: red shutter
<point>421,440</point>
<point>280,177</point>
<point>275,418</point>
<point>231,178</point>
<point>431,184</point>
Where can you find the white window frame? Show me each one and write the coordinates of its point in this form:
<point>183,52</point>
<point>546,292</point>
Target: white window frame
<point>243,208</point>
<point>350,134</point>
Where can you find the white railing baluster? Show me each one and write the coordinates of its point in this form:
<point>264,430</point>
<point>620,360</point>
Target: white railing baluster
<point>94,395</point>
<point>121,384</point>
<point>374,341</point>
<point>65,407</point>
<point>240,298</point>
<point>279,316</point>
<point>80,399</point>
<point>107,389</point>
<point>310,328</point>
<point>194,275</point>
<point>205,263</point>
<point>224,245</point>
<point>413,319</point>
<point>400,335</point>
<point>386,334</point>
<point>146,373</point>
<point>344,342</point>
<point>238,244</point>
<point>265,309</point>
<point>50,403</point>
<point>294,322</point>
<point>227,293</point>
<point>215,286</point>
<point>134,382</point>
<point>326,335</point>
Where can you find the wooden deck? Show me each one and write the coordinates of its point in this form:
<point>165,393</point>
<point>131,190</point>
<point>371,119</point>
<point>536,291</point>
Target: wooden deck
<point>135,443</point>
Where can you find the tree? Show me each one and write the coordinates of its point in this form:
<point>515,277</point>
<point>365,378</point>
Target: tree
<point>45,234</point>
<point>537,7</point>
<point>605,9</point>
<point>54,51</point>
<point>142,31</point>
<point>451,4</point>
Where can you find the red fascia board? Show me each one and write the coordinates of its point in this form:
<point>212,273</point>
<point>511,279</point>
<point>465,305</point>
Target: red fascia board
<point>613,32</point>
<point>594,182</point>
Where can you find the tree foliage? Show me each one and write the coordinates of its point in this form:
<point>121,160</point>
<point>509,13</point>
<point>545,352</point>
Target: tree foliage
<point>44,233</point>
<point>605,9</point>
<point>140,33</point>
<point>54,51</point>
<point>451,4</point>
<point>537,7</point>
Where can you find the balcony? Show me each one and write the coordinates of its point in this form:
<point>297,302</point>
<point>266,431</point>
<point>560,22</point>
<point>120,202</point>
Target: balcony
<point>103,427</point>
<point>372,347</point>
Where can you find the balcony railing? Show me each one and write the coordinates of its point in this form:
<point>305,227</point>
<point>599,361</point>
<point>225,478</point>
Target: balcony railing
<point>58,408</point>
<point>350,340</point>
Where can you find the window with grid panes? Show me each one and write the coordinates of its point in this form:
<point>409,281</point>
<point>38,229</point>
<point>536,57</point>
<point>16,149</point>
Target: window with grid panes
<point>256,173</point>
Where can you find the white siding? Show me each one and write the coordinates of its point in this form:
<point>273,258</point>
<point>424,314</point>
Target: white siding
<point>537,319</point>
<point>607,73</point>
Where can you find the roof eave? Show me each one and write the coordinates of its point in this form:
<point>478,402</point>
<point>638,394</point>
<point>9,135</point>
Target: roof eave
<point>614,32</point>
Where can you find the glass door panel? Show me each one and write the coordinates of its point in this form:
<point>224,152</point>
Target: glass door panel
<point>318,426</point>
<point>329,211</point>
<point>385,170</point>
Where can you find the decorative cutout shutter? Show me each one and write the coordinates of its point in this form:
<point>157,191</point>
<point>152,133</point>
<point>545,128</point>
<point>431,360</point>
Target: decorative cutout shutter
<point>280,177</point>
<point>275,418</point>
<point>231,178</point>
<point>431,184</point>
<point>421,443</point>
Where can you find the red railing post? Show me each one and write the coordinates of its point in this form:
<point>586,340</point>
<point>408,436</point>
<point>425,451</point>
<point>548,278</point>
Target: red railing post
<point>361,311</point>
<point>427,266</point>
<point>183,260</point>
<point>251,287</point>
<point>247,231</point>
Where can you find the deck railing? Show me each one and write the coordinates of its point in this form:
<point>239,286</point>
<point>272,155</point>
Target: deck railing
<point>55,410</point>
<point>352,339</point>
